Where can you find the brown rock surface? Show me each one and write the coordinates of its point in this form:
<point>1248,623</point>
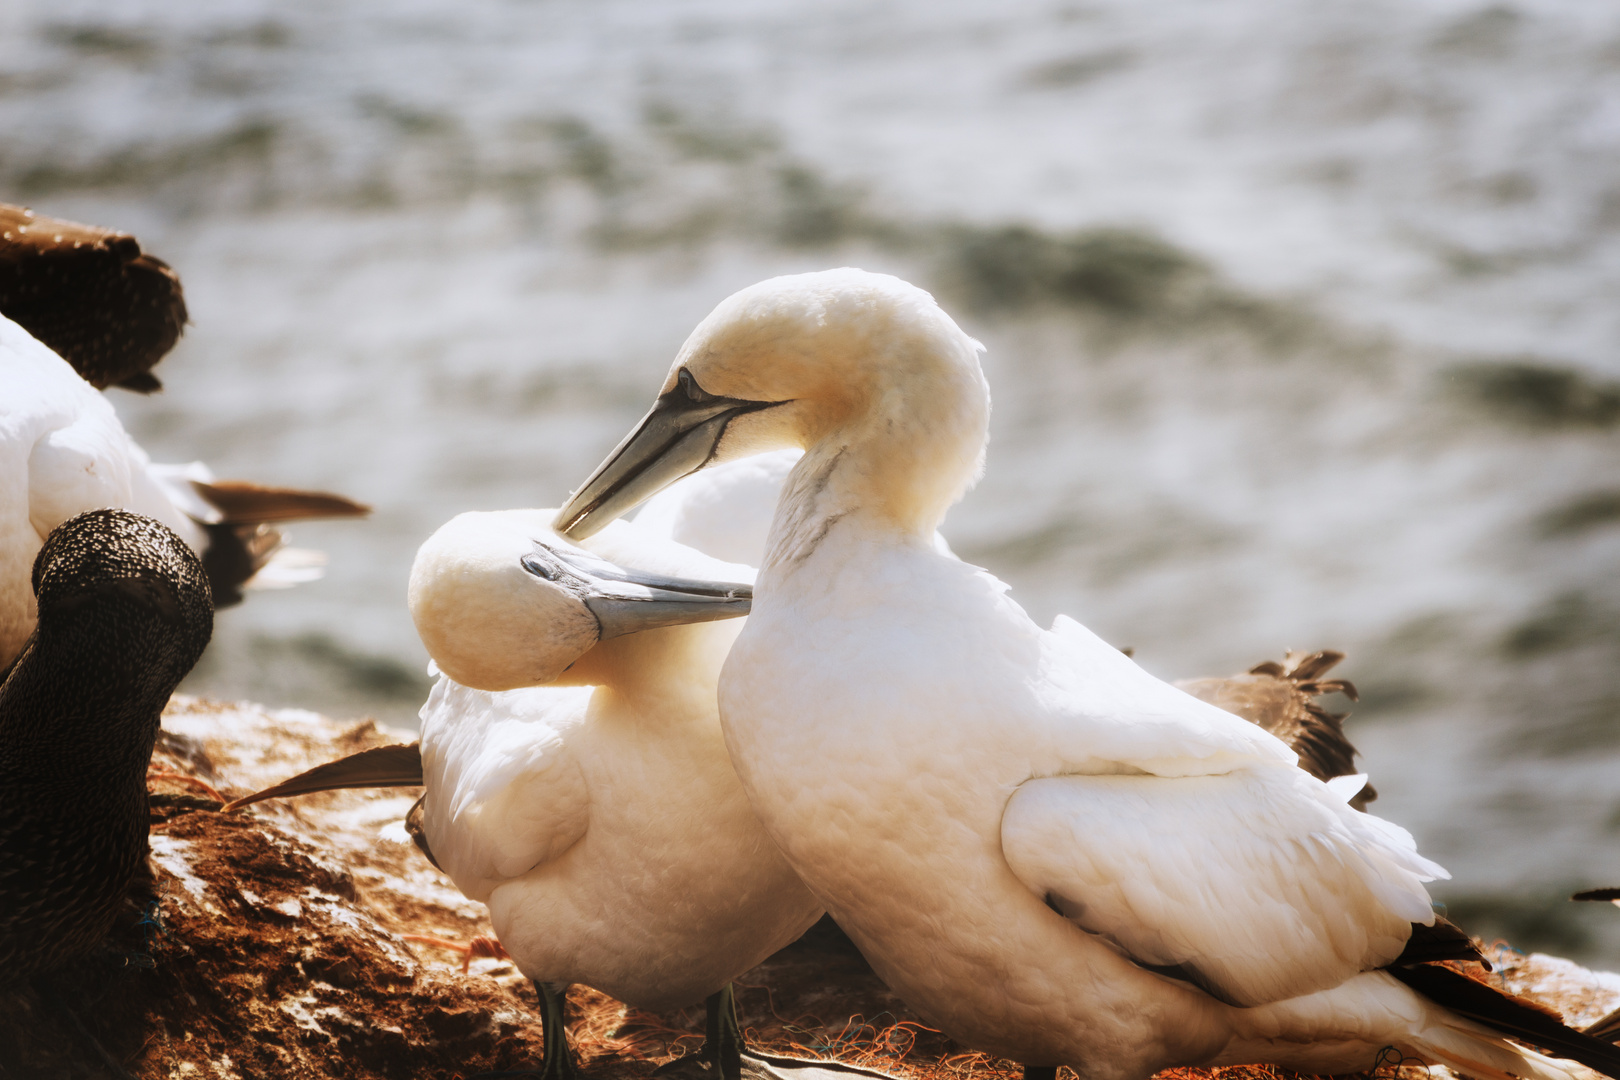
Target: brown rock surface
<point>278,952</point>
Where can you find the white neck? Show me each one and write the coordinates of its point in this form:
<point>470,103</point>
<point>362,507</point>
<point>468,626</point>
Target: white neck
<point>893,469</point>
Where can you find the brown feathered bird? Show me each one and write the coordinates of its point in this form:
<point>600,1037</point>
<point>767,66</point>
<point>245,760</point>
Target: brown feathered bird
<point>1281,697</point>
<point>124,613</point>
<point>92,295</point>
<point>63,449</point>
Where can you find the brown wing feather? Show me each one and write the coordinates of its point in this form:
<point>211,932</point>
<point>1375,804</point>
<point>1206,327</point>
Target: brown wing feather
<point>417,830</point>
<point>234,554</point>
<point>90,295</point>
<point>381,766</point>
<point>242,543</point>
<point>1280,698</point>
<point>243,502</point>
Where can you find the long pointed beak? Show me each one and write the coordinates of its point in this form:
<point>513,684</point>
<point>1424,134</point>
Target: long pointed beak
<point>677,437</point>
<point>626,601</point>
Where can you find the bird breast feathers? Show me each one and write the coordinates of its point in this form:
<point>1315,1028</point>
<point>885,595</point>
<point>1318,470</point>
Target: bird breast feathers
<point>506,793</point>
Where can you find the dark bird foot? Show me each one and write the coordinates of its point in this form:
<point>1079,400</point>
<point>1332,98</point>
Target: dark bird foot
<point>558,1063</point>
<point>756,1066</point>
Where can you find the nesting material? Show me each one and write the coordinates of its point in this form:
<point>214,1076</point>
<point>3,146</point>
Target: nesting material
<point>279,951</point>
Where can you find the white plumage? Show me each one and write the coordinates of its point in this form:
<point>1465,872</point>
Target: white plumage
<point>62,452</point>
<point>1015,824</point>
<point>599,817</point>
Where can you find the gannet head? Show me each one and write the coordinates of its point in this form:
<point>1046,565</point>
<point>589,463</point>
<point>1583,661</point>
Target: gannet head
<point>501,602</point>
<point>841,359</point>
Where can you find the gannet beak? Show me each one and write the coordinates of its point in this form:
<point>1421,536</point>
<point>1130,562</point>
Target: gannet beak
<point>678,436</point>
<point>626,601</point>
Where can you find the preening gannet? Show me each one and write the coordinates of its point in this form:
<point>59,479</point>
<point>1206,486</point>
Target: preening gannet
<point>577,782</point>
<point>63,451</point>
<point>124,613</point>
<point>1049,853</point>
<point>597,815</point>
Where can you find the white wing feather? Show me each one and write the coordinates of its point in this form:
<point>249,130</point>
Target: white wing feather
<point>504,789</point>
<point>1108,715</point>
<point>1261,883</point>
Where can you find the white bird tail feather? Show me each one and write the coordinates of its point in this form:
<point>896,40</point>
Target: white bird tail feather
<point>1374,1009</point>
<point>1479,1052</point>
<point>287,567</point>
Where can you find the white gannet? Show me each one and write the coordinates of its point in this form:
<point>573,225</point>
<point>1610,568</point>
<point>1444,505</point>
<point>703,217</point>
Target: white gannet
<point>596,815</point>
<point>63,451</point>
<point>1050,854</point>
<point>577,782</point>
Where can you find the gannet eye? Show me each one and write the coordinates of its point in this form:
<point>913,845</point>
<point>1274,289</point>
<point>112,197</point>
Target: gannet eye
<point>541,567</point>
<point>689,386</point>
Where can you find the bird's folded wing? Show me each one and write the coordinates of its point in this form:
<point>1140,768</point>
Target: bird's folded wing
<point>1257,885</point>
<point>83,465</point>
<point>506,793</point>
<point>1107,715</point>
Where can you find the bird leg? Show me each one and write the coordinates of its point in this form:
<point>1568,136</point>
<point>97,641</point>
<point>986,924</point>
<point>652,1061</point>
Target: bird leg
<point>721,1055</point>
<point>480,946</point>
<point>722,1035</point>
<point>724,1055</point>
<point>556,1063</point>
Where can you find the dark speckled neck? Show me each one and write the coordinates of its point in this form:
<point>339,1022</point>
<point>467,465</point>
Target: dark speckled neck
<point>124,613</point>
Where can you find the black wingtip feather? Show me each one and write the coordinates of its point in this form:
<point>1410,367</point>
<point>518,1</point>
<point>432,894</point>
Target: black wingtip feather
<point>1597,894</point>
<point>1445,940</point>
<point>1509,1016</point>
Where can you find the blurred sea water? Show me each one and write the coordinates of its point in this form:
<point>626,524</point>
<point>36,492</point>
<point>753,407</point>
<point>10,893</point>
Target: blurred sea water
<point>1301,320</point>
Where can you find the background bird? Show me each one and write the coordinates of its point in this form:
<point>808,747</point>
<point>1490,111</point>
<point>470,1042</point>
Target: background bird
<point>91,295</point>
<point>63,451</point>
<point>124,612</point>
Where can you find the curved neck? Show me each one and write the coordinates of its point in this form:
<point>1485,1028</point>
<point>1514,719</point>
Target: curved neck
<point>896,468</point>
<point>99,716</point>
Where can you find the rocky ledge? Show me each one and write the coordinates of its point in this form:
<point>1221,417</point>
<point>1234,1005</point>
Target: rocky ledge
<point>279,949</point>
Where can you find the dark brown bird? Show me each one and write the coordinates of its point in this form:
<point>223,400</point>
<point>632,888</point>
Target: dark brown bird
<point>124,613</point>
<point>1282,699</point>
<point>91,295</point>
